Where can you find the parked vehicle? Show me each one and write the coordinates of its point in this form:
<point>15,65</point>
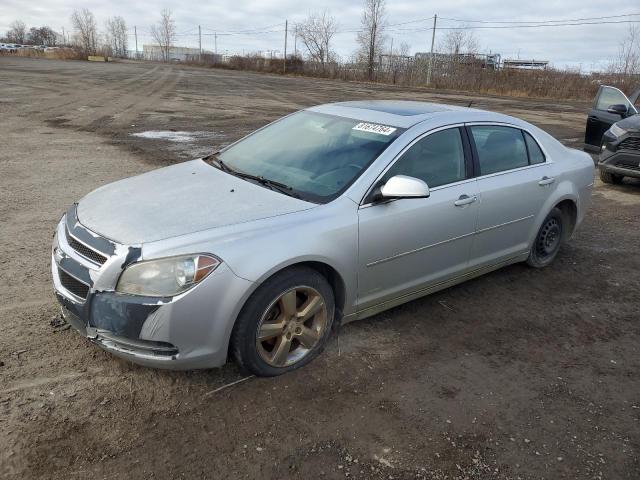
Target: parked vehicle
<point>609,106</point>
<point>8,48</point>
<point>620,154</point>
<point>328,215</point>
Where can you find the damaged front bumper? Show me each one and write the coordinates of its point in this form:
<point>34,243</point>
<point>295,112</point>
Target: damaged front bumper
<point>190,330</point>
<point>621,156</point>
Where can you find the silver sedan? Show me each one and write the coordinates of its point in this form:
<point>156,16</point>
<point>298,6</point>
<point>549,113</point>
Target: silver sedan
<point>328,215</point>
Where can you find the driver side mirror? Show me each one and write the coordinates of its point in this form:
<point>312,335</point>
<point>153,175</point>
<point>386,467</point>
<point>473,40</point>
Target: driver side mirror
<point>403,186</point>
<point>618,109</point>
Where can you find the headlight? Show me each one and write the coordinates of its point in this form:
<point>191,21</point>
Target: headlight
<point>166,277</point>
<point>617,131</point>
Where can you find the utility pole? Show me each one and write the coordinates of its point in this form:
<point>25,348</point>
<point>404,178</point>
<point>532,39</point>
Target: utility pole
<point>284,63</point>
<point>135,32</point>
<point>200,41</point>
<point>215,42</point>
<point>433,39</point>
<point>391,55</point>
<point>295,41</point>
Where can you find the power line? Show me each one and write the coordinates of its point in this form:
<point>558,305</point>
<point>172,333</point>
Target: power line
<point>539,25</point>
<point>539,21</point>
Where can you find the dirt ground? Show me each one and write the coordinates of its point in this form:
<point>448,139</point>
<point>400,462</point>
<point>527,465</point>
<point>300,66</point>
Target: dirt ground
<point>520,374</point>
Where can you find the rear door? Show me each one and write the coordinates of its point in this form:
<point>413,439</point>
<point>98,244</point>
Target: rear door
<point>599,119</point>
<point>515,179</point>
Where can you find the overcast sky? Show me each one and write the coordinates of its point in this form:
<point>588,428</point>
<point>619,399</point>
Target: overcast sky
<point>587,46</point>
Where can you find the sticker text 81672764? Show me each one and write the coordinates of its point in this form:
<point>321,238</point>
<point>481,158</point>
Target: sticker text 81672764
<point>374,128</point>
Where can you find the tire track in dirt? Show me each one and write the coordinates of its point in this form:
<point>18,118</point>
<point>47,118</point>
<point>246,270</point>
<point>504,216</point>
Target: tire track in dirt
<point>159,88</point>
<point>93,95</point>
<point>121,102</point>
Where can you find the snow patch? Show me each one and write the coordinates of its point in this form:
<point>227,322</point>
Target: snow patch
<point>171,136</point>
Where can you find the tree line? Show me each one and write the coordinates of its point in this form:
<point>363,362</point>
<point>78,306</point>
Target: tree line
<point>375,54</point>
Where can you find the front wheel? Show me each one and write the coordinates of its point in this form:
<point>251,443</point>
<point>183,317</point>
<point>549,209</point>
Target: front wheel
<point>285,323</point>
<point>548,240</point>
<point>608,177</point>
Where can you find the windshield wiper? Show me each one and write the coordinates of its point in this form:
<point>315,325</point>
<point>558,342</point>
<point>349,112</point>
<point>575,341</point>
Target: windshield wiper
<point>272,184</point>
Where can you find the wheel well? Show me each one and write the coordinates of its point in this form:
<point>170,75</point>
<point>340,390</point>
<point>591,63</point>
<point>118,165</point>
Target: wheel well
<point>570,214</point>
<point>334,279</point>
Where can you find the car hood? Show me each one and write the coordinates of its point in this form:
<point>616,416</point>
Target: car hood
<point>178,200</point>
<point>631,124</point>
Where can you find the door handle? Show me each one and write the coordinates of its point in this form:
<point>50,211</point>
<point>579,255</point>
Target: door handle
<point>465,200</point>
<point>546,181</point>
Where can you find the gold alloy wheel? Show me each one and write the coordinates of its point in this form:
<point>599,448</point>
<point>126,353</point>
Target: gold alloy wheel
<point>292,325</point>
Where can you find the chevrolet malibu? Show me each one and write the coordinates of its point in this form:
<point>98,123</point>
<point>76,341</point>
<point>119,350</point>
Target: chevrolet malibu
<point>328,215</point>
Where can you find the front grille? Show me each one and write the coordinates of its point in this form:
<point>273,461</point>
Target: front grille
<point>631,143</point>
<point>73,285</point>
<point>85,251</point>
<point>628,166</point>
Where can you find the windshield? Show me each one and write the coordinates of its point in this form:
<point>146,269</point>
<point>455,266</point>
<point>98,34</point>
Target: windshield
<point>318,156</point>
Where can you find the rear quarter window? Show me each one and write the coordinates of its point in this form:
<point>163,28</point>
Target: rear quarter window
<point>535,153</point>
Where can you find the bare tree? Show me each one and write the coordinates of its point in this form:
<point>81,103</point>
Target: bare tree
<point>459,41</point>
<point>399,61</point>
<point>371,38</point>
<point>316,33</point>
<point>628,60</point>
<point>17,32</point>
<point>86,30</point>
<point>116,36</point>
<point>42,36</point>
<point>164,33</point>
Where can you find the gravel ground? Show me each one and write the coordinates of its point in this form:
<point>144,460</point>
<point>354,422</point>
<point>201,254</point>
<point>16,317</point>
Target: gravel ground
<point>519,374</point>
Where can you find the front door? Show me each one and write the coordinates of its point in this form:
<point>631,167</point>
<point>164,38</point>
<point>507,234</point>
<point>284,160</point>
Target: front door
<point>599,119</point>
<point>407,244</point>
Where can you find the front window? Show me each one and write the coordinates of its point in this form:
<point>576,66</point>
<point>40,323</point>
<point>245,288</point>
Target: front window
<point>315,154</point>
<point>437,159</point>
<point>609,96</point>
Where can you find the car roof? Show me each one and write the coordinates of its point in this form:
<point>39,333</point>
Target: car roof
<point>405,113</point>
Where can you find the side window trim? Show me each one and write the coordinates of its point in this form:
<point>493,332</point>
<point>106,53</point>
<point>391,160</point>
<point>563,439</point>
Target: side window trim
<point>468,159</point>
<point>526,146</point>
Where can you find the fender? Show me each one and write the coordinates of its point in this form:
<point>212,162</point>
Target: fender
<point>564,190</point>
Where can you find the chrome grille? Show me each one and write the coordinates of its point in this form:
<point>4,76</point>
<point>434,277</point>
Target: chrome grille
<point>631,143</point>
<point>73,285</point>
<point>85,251</point>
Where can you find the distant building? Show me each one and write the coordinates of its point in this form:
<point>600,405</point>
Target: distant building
<point>484,60</point>
<point>525,64</point>
<point>180,54</point>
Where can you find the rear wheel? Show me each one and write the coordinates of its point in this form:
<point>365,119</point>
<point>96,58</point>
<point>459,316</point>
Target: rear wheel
<point>608,177</point>
<point>285,323</point>
<point>548,241</point>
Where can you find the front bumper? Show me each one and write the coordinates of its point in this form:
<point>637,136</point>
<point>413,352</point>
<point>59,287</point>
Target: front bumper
<point>187,331</point>
<point>618,158</point>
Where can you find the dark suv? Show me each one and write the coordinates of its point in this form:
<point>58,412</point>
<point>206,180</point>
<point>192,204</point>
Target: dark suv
<point>613,129</point>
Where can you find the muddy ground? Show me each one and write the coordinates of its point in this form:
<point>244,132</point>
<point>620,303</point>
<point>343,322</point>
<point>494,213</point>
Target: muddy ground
<point>519,374</point>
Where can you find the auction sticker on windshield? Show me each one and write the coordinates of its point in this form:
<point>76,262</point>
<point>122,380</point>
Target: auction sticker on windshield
<point>374,128</point>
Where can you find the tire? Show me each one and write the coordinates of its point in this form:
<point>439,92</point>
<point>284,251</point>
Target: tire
<point>608,177</point>
<point>276,311</point>
<point>548,240</point>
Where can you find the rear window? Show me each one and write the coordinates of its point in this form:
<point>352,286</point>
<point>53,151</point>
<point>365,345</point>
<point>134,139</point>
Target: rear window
<point>499,148</point>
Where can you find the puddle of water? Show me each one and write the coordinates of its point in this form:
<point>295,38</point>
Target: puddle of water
<point>178,137</point>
